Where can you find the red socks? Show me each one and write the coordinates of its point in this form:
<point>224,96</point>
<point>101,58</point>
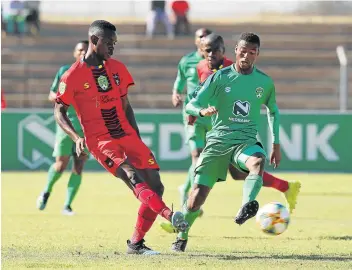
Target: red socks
<point>152,200</point>
<point>145,220</point>
<point>271,181</point>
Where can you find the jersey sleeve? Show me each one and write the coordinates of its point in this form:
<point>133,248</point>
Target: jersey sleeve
<point>126,80</point>
<point>66,88</point>
<point>180,81</point>
<point>56,81</point>
<point>203,95</point>
<point>273,114</point>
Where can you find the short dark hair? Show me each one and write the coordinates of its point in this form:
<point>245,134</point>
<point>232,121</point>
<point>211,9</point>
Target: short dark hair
<point>86,42</point>
<point>250,38</point>
<point>213,38</point>
<point>206,32</point>
<point>98,27</point>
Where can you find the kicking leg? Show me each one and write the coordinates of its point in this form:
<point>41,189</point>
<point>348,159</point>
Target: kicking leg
<point>191,211</point>
<point>152,205</point>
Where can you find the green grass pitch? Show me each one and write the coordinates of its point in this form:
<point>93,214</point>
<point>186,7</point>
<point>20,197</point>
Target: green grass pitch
<point>319,236</point>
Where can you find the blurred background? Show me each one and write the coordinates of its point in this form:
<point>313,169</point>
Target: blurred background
<point>305,48</point>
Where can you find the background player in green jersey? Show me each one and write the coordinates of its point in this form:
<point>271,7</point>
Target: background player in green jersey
<point>187,76</point>
<point>233,97</point>
<point>64,147</point>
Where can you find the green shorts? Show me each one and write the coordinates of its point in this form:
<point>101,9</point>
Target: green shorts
<point>64,146</point>
<point>196,135</point>
<point>216,157</point>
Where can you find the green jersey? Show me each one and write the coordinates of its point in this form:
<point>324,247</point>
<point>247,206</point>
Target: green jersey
<point>71,113</point>
<point>238,99</point>
<point>187,76</point>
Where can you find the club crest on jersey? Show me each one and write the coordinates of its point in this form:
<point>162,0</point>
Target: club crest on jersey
<point>62,87</point>
<point>103,82</point>
<point>116,78</point>
<point>241,108</point>
<point>259,92</point>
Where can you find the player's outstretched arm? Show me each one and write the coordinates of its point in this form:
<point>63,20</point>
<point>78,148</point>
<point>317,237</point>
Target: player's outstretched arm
<point>274,125</point>
<point>130,114</point>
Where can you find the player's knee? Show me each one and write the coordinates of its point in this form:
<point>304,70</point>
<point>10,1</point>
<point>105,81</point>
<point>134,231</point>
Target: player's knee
<point>195,155</point>
<point>256,163</point>
<point>60,166</point>
<point>236,174</point>
<point>79,164</point>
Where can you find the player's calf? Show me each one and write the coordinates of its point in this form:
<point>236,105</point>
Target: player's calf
<point>252,185</point>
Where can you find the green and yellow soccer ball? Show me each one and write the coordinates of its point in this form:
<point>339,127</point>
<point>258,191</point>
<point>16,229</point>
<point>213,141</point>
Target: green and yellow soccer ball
<point>273,218</point>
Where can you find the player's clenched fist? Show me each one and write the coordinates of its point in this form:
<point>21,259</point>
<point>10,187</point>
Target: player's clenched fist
<point>80,145</point>
<point>208,111</point>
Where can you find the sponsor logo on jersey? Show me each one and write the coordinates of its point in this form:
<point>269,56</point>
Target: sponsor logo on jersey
<point>227,89</point>
<point>241,108</point>
<point>259,92</point>
<point>103,82</point>
<point>62,87</point>
<point>86,86</point>
<point>116,78</point>
<point>151,161</point>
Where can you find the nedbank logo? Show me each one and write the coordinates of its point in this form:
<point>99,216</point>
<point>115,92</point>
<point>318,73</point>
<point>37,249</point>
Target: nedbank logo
<point>35,141</point>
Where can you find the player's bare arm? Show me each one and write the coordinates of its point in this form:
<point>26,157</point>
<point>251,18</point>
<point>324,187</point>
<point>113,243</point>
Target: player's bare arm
<point>52,97</point>
<point>64,122</point>
<point>130,114</point>
<point>274,125</point>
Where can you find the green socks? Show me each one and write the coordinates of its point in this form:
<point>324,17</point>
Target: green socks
<point>190,217</point>
<point>187,185</point>
<point>252,185</point>
<point>72,188</point>
<point>53,176</point>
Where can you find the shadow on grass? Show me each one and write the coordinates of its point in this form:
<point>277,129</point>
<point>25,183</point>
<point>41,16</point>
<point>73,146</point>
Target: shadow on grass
<point>313,257</point>
<point>344,238</point>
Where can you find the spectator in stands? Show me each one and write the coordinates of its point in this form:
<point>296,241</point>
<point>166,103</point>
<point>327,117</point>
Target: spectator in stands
<point>13,12</point>
<point>32,16</point>
<point>180,9</point>
<point>158,14</point>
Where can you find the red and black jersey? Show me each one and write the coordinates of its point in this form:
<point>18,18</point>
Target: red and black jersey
<point>95,93</point>
<point>204,71</point>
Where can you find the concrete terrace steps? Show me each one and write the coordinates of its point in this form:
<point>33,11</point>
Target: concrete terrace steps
<point>142,72</point>
<point>172,57</point>
<point>139,29</point>
<point>300,57</point>
<point>282,42</point>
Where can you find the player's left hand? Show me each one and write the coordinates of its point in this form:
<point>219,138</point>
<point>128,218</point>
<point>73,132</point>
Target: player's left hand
<point>80,145</point>
<point>275,156</point>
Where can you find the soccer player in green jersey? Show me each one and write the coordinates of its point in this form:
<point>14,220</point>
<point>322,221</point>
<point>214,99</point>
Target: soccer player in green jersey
<point>187,76</point>
<point>233,97</point>
<point>213,49</point>
<point>65,147</point>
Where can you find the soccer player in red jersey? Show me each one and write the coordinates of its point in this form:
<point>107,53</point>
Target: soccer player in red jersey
<point>213,48</point>
<point>97,87</point>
